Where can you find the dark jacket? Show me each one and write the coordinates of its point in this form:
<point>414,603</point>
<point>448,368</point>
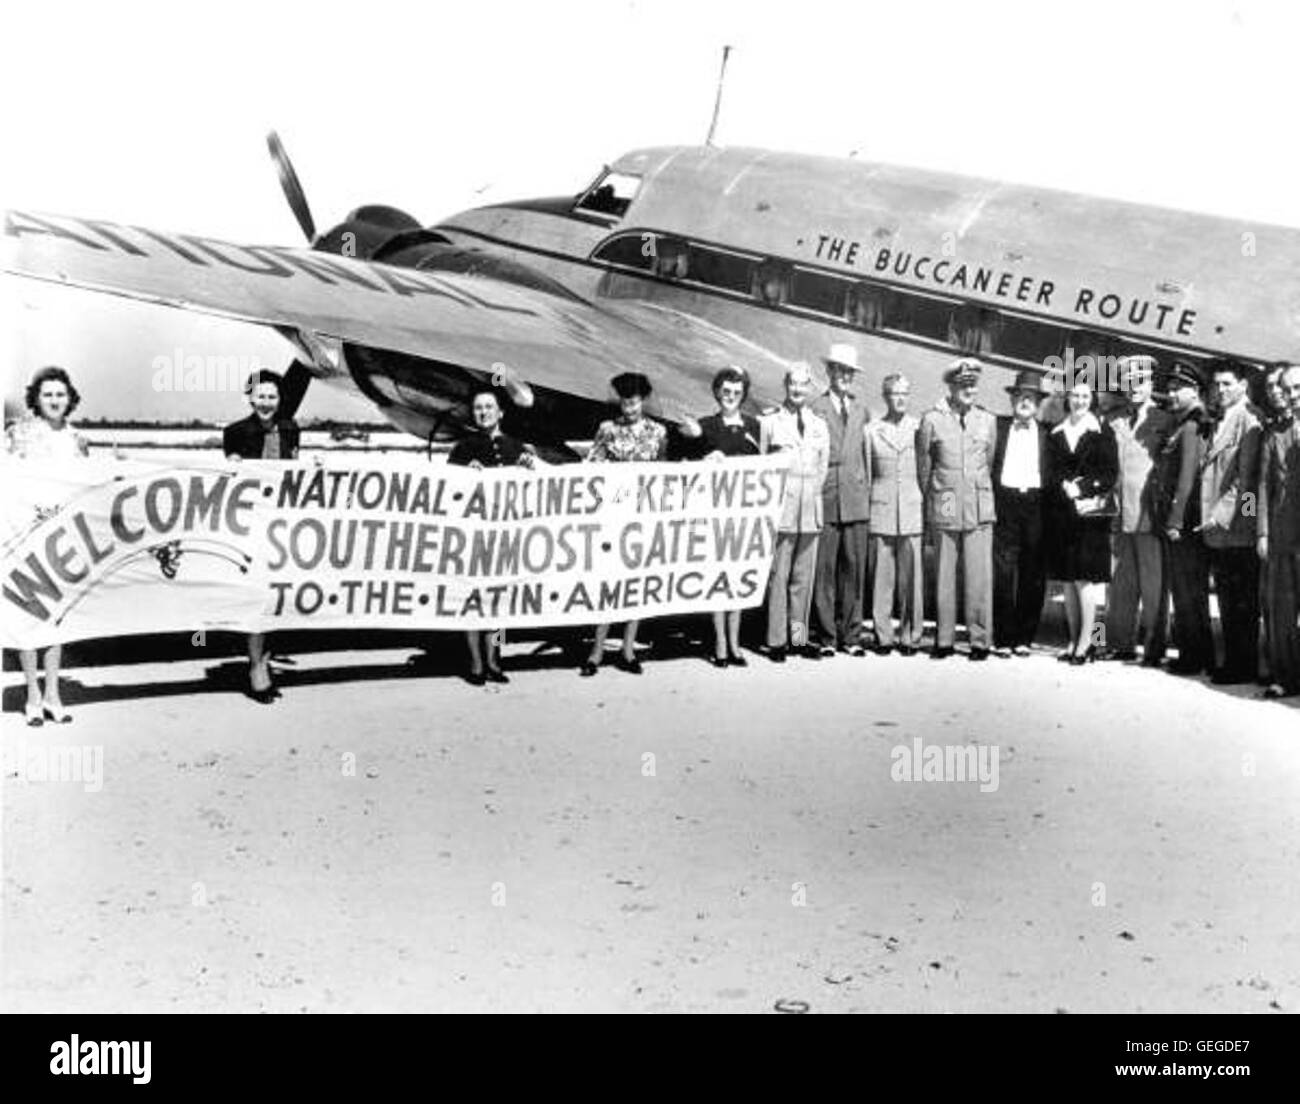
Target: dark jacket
<point>499,451</point>
<point>245,437</point>
<point>1178,498</point>
<point>1094,465</point>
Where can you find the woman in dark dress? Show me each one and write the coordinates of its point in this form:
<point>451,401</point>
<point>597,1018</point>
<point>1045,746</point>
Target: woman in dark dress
<point>487,447</point>
<point>728,433</point>
<point>1082,467</point>
<point>268,433</point>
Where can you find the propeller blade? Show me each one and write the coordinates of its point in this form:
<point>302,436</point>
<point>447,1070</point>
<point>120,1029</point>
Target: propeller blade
<point>292,188</point>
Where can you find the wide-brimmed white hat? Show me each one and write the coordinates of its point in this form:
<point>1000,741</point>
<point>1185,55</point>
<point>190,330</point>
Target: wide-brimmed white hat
<point>843,354</point>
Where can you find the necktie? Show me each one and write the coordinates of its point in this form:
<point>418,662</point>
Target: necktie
<point>844,413</point>
<point>798,418</point>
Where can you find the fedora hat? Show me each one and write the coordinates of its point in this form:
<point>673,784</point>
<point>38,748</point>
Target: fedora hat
<point>1029,380</point>
<point>845,355</point>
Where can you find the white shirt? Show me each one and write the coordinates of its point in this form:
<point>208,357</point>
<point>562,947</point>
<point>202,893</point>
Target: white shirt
<point>1020,466</point>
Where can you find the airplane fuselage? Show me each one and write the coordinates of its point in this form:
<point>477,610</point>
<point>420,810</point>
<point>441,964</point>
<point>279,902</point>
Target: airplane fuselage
<point>794,252</point>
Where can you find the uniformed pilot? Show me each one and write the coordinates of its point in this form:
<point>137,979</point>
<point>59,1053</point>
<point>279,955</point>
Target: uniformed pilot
<point>954,452</point>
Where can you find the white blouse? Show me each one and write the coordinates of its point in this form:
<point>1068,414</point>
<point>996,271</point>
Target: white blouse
<point>34,438</point>
<point>1072,431</point>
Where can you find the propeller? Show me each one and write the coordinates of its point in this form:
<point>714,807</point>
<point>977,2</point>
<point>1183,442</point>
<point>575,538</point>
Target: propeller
<point>292,188</point>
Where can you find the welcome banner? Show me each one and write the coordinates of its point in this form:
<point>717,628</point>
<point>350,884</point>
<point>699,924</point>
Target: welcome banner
<point>101,547</point>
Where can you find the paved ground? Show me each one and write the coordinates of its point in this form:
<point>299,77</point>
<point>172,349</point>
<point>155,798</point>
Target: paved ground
<point>385,840</point>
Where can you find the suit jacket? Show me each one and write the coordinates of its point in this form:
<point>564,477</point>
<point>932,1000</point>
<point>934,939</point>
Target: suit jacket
<point>1230,471</point>
<point>845,495</point>
<point>1178,497</point>
<point>1139,448</point>
<point>1000,456</point>
<point>1279,490</point>
<point>245,437</point>
<point>892,479</point>
<point>955,465</point>
<point>809,460</point>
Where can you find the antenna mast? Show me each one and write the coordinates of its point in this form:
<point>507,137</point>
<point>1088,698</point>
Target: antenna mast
<point>717,103</point>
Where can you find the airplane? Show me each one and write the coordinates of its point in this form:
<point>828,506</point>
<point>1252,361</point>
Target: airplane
<point>677,261</point>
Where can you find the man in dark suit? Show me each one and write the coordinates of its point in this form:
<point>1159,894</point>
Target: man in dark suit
<point>1179,510</point>
<point>846,510</point>
<point>1278,543</point>
<point>1019,566</point>
<point>1140,429</point>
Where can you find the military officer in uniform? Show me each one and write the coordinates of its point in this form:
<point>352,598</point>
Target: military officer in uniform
<point>794,429</point>
<point>954,451</point>
<point>842,547</point>
<point>1179,511</point>
<point>895,523</point>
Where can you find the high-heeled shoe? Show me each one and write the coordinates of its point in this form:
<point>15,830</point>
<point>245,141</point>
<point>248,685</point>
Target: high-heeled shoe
<point>495,674</point>
<point>737,660</point>
<point>1088,655</point>
<point>1066,656</point>
<point>35,714</point>
<point>588,669</point>
<point>476,678</point>
<point>58,715</point>
<point>718,661</point>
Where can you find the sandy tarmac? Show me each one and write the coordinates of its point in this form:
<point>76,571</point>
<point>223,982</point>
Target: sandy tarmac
<point>512,848</point>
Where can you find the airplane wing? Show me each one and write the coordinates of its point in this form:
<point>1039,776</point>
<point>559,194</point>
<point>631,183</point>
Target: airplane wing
<point>478,323</point>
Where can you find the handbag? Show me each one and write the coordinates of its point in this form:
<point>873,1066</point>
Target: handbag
<point>1098,506</point>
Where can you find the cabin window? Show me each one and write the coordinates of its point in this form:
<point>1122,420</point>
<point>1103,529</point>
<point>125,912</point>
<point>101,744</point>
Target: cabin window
<point>925,318</point>
<point>1028,340</point>
<point>629,251</point>
<point>672,259</point>
<point>973,329</point>
<point>867,307</point>
<point>612,194</point>
<point>771,283</point>
<point>719,269</point>
<point>816,291</point>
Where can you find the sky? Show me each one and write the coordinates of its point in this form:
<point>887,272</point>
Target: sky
<point>156,114</point>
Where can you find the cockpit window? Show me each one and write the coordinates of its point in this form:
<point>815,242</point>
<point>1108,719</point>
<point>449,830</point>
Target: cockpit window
<point>612,194</point>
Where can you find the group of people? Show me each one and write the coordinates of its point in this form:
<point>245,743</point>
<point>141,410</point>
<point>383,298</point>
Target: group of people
<point>1125,507</point>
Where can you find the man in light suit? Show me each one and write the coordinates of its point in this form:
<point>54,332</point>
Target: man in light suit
<point>1278,544</point>
<point>1140,428</point>
<point>796,430</point>
<point>895,524</point>
<point>1019,556</point>
<point>954,451</point>
<point>1229,489</point>
<point>842,547</point>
